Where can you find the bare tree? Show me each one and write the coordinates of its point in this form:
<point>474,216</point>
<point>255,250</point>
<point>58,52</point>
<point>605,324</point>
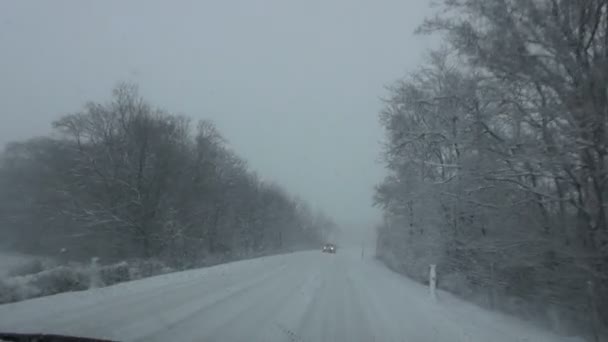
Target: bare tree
<point>125,180</point>
<point>502,135</point>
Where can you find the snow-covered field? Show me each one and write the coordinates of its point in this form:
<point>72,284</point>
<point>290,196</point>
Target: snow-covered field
<point>305,296</point>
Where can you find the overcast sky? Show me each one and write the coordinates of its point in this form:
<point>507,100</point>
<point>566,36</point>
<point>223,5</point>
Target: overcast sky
<point>295,86</point>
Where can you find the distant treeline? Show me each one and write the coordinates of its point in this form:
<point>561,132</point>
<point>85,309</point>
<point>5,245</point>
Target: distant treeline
<point>123,180</point>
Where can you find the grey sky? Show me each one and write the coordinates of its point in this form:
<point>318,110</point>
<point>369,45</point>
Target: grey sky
<point>293,85</point>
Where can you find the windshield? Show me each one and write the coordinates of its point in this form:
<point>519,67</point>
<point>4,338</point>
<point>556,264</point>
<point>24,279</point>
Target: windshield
<point>336,170</point>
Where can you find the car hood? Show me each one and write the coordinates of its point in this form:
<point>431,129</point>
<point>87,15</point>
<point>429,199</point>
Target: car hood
<point>13,337</point>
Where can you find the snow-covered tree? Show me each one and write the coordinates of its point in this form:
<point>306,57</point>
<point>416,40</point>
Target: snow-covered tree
<point>498,146</point>
<point>125,180</point>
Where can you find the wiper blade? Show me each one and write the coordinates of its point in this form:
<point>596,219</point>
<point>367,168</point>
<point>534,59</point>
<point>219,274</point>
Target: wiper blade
<point>13,337</point>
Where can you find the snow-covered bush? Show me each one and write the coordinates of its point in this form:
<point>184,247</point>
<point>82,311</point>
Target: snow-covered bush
<point>74,277</point>
<point>60,279</point>
<point>146,268</point>
<point>14,290</point>
<point>48,282</point>
<point>116,273</point>
<point>455,283</point>
<point>25,268</point>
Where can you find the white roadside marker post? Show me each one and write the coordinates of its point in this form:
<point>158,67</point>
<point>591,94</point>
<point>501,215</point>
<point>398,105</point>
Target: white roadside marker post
<point>433,281</point>
<point>95,277</point>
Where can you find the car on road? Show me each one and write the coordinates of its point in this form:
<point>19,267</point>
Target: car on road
<point>329,248</point>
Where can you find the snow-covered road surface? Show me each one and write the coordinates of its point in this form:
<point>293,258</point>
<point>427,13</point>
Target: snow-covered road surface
<point>305,296</point>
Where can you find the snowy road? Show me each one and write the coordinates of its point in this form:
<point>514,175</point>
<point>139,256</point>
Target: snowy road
<point>305,296</point>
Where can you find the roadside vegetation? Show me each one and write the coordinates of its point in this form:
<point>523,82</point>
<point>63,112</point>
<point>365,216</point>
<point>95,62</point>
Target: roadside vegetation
<point>142,191</point>
<point>496,149</point>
